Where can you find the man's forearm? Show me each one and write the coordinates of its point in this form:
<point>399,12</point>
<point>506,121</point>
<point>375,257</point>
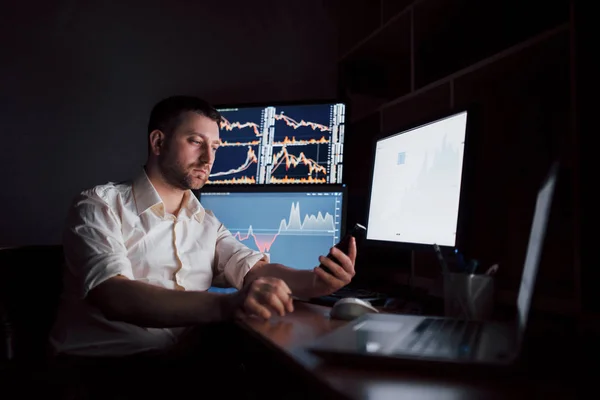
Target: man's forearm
<point>150,306</point>
<point>301,282</point>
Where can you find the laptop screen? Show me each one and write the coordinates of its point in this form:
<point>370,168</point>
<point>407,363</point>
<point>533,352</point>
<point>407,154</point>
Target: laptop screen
<point>534,248</point>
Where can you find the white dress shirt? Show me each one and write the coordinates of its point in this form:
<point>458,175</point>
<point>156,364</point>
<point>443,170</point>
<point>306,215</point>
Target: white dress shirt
<point>122,229</point>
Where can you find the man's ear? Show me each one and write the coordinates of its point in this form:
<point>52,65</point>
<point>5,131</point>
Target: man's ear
<point>157,141</point>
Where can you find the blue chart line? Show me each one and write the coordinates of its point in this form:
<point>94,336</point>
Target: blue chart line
<point>293,228</point>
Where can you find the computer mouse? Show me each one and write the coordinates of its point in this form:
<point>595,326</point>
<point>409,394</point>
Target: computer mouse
<point>350,308</point>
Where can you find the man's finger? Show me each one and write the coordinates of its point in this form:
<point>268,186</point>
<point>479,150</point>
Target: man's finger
<point>285,295</point>
<point>280,284</point>
<point>352,251</point>
<point>345,262</point>
<point>283,291</point>
<point>326,276</point>
<point>271,292</point>
<point>252,306</point>
<point>273,300</point>
<point>337,269</point>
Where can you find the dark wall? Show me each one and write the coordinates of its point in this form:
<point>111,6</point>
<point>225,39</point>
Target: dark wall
<point>79,78</point>
<point>411,60</point>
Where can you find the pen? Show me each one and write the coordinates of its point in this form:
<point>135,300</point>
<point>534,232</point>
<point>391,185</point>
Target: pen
<point>440,257</point>
<point>492,270</point>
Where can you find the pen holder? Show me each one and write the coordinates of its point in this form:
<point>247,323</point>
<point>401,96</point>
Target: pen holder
<point>468,296</point>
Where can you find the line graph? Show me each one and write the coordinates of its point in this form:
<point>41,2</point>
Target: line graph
<point>230,126</point>
<point>294,228</point>
<point>237,160</point>
<point>293,142</point>
<point>250,158</point>
<point>312,225</point>
<point>290,160</point>
<point>295,124</point>
<point>316,130</point>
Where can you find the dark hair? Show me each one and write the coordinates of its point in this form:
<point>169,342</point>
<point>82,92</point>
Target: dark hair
<point>166,114</point>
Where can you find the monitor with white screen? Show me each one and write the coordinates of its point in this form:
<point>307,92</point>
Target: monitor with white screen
<point>416,183</point>
<point>293,225</point>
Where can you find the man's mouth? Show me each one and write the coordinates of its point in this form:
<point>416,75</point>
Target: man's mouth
<point>203,171</point>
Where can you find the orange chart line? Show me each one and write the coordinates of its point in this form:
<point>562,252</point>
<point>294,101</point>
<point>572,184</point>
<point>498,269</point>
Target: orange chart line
<point>292,160</point>
<point>229,126</point>
<point>250,158</point>
<point>293,141</point>
<point>295,124</point>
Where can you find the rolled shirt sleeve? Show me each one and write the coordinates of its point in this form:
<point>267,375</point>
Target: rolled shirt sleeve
<point>233,258</point>
<point>93,243</point>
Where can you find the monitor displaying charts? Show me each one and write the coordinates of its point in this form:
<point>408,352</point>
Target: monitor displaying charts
<point>292,226</point>
<point>280,144</point>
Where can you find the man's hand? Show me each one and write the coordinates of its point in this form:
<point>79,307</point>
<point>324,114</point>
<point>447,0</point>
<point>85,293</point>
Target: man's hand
<point>305,283</point>
<point>341,273</point>
<point>263,296</point>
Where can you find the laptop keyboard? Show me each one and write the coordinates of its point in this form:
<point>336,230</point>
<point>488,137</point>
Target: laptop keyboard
<point>442,338</point>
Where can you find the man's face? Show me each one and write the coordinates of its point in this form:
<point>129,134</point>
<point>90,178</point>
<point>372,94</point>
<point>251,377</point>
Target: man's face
<point>189,152</point>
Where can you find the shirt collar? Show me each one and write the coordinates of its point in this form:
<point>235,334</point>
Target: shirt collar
<point>192,206</point>
<point>144,193</point>
<point>146,197</point>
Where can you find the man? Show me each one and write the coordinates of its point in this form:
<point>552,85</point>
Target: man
<point>141,255</point>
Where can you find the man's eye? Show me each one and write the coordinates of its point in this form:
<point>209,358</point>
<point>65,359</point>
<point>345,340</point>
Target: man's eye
<point>196,142</point>
<point>215,149</point>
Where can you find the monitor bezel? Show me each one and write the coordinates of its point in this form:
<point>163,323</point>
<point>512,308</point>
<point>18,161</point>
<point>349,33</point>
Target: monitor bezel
<point>290,103</point>
<point>298,102</point>
<point>271,188</point>
<point>466,177</point>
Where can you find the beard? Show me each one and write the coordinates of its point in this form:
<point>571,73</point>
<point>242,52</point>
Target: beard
<point>178,175</point>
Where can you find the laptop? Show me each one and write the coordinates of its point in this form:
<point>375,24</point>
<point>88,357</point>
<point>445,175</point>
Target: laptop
<point>441,340</point>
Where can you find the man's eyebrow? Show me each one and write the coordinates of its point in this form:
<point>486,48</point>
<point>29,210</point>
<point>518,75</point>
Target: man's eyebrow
<point>195,133</point>
<point>218,142</point>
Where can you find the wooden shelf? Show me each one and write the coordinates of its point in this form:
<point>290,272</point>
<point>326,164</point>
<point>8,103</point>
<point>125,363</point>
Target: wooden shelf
<point>429,41</point>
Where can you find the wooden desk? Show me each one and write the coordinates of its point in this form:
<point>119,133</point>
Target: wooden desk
<point>284,337</point>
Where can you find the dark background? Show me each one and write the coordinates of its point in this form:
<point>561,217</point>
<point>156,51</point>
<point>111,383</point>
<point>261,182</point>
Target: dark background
<point>78,80</point>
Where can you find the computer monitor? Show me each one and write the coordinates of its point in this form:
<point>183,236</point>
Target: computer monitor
<point>294,225</point>
<point>416,183</point>
<point>300,143</point>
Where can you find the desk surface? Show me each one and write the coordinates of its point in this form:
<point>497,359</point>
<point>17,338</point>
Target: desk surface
<point>289,334</point>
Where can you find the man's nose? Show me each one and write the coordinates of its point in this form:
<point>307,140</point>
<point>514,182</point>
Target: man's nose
<point>208,155</point>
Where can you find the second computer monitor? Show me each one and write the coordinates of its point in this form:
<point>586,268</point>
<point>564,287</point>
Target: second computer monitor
<point>280,144</point>
<point>416,185</point>
<point>293,225</point>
